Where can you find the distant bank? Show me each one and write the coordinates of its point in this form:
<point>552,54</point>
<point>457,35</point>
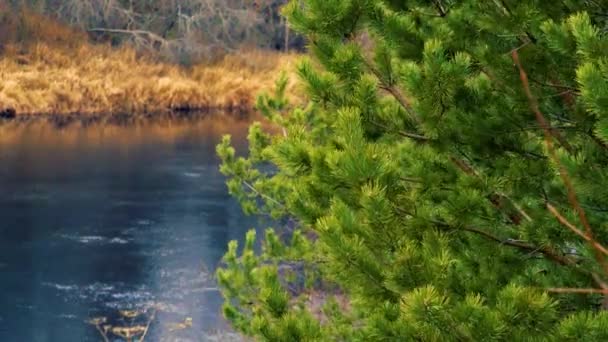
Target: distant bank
<point>57,71</point>
<point>94,79</point>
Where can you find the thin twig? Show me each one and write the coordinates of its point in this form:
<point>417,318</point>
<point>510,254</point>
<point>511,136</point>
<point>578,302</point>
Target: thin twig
<point>414,136</point>
<point>577,290</point>
<point>148,325</point>
<point>564,221</point>
<point>470,171</point>
<point>132,32</point>
<point>523,45</point>
<point>552,85</point>
<point>396,93</point>
<point>105,337</point>
<point>252,188</point>
<point>545,250</point>
<point>598,141</point>
<point>405,103</point>
<point>518,207</point>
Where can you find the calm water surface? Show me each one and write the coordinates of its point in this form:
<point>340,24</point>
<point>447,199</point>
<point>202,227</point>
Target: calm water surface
<point>105,218</point>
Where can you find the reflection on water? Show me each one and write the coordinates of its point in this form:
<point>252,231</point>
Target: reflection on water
<point>106,218</point>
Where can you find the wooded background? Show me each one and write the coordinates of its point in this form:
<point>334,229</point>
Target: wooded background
<point>183,31</point>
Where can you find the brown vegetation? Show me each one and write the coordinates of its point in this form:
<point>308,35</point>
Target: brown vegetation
<point>183,31</point>
<point>57,71</point>
<point>26,27</point>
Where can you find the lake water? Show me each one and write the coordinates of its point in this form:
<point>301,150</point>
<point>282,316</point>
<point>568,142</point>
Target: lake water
<point>105,218</point>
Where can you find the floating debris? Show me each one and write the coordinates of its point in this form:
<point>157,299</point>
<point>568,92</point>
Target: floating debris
<point>187,323</point>
<point>137,325</point>
<point>160,306</point>
<point>97,320</point>
<point>129,332</point>
<point>129,313</point>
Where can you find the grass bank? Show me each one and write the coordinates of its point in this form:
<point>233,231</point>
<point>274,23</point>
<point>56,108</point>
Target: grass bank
<point>96,79</point>
<point>47,67</point>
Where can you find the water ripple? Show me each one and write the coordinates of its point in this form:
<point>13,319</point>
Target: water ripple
<point>86,239</point>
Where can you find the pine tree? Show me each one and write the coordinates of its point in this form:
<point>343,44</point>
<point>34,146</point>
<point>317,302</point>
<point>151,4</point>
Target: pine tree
<point>446,180</point>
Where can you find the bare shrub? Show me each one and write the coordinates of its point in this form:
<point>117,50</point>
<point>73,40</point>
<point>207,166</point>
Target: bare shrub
<point>184,31</point>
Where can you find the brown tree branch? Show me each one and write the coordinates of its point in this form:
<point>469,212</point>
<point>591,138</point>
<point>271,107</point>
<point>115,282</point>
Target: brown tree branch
<point>405,103</point>
<point>564,221</point>
<point>152,35</point>
<point>394,91</point>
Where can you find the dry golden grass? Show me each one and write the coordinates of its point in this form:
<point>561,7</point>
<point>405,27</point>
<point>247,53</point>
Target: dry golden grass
<point>94,79</point>
<point>46,67</point>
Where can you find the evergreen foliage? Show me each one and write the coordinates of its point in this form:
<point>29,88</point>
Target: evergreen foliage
<point>446,181</point>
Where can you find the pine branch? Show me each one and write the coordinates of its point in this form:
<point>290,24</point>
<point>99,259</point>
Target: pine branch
<point>406,104</point>
<point>495,202</point>
<point>547,251</point>
<point>548,133</point>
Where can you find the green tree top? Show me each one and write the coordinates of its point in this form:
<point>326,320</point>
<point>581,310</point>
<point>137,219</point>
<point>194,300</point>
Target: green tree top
<point>446,181</point>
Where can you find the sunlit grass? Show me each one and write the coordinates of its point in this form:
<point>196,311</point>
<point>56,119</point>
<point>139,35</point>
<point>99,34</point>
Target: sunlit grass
<point>94,79</point>
<point>47,67</point>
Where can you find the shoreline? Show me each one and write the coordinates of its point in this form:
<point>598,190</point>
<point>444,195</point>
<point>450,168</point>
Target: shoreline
<point>61,120</point>
<point>93,79</point>
<point>58,70</point>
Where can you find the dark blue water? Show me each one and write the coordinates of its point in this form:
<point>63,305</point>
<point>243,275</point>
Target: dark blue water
<point>105,218</point>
